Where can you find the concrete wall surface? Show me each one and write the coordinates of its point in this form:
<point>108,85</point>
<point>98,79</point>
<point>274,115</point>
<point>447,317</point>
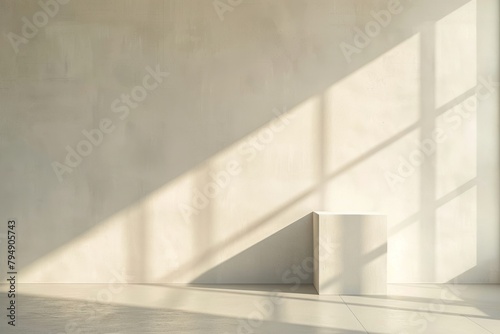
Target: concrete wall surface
<point>163,141</point>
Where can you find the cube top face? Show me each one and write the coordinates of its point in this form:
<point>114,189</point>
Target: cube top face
<point>331,213</point>
<point>350,253</point>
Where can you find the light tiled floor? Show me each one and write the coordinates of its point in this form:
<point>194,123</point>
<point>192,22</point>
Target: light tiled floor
<point>132,308</point>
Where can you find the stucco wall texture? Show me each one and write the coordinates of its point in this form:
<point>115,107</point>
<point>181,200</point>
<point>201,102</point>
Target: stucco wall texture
<point>189,141</point>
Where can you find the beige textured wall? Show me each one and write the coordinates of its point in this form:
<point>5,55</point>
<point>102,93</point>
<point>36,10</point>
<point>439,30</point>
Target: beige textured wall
<point>272,108</point>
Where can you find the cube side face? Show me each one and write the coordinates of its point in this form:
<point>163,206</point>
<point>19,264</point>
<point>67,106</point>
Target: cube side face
<point>352,254</point>
<point>316,251</point>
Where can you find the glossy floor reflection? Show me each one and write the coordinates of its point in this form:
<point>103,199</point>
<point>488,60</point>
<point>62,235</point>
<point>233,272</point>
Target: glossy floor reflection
<point>220,309</point>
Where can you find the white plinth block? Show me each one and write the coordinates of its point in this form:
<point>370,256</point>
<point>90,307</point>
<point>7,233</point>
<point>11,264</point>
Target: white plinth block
<point>350,253</point>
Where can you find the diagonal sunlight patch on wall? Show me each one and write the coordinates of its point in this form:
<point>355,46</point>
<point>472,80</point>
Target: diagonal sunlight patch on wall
<point>263,183</point>
<point>455,230</point>
<point>456,47</point>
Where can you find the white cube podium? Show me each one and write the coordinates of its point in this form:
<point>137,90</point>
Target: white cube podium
<point>350,253</point>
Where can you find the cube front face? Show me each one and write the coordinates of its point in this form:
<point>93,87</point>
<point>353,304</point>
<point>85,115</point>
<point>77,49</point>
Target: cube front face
<point>350,253</point>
